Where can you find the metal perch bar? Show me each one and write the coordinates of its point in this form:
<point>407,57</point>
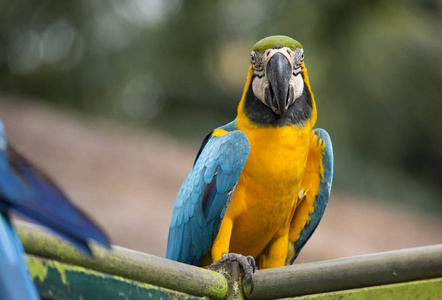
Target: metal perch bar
<point>349,273</point>
<point>302,279</point>
<point>126,263</point>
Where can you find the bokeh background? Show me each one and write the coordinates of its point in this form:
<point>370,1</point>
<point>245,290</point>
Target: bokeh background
<point>112,99</point>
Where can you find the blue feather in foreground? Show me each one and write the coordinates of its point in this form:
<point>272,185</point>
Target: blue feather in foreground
<point>27,192</point>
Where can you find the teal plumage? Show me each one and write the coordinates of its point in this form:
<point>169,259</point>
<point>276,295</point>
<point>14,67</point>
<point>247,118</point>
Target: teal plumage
<point>196,219</point>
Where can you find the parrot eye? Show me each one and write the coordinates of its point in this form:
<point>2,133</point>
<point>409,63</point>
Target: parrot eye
<point>256,60</point>
<point>298,58</point>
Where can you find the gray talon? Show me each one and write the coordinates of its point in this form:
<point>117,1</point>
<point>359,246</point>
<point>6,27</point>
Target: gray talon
<point>247,264</point>
<point>251,261</point>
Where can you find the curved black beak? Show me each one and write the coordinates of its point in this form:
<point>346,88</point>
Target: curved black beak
<point>279,94</point>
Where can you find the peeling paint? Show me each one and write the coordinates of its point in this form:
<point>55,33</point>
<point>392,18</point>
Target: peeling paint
<point>39,269</point>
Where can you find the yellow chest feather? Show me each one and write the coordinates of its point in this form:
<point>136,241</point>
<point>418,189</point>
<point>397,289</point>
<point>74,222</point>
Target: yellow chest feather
<point>277,157</point>
<point>268,186</point>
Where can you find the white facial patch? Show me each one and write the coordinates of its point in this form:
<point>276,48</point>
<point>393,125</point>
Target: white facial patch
<point>297,82</point>
<point>260,62</point>
<point>259,85</point>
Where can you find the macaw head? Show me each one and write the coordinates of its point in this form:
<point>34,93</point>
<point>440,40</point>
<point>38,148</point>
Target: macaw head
<point>277,90</point>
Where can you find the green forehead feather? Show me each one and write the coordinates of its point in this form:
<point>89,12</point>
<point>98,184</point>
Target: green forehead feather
<point>276,42</point>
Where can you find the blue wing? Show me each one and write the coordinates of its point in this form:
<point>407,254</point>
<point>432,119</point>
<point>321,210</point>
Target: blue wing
<point>205,195</point>
<point>321,199</point>
<point>26,191</point>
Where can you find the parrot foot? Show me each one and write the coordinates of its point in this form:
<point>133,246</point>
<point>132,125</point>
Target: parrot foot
<point>247,264</point>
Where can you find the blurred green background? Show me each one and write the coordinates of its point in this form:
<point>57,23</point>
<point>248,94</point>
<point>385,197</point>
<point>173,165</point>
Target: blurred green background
<point>178,67</point>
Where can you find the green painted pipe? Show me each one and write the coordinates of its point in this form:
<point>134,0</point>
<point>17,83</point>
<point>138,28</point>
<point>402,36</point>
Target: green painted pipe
<point>348,273</point>
<point>303,279</point>
<point>126,263</point>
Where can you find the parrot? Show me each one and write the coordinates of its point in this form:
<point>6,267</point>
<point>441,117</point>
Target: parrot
<point>27,192</point>
<point>259,185</point>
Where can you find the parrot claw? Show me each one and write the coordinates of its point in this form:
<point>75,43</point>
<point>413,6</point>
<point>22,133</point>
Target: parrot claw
<point>247,264</point>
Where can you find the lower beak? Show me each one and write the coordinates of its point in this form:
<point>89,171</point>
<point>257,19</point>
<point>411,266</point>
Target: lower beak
<point>279,94</point>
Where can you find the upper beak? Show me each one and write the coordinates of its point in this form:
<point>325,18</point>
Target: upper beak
<point>279,94</point>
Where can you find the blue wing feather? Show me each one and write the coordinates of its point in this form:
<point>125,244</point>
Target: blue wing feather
<point>15,281</point>
<point>222,159</point>
<point>321,200</point>
<point>26,191</point>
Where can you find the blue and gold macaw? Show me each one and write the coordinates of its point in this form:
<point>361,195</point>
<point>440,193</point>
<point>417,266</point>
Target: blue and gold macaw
<point>260,184</point>
<point>27,192</point>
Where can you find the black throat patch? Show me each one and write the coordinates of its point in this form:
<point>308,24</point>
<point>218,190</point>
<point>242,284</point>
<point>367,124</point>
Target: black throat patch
<point>297,114</point>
